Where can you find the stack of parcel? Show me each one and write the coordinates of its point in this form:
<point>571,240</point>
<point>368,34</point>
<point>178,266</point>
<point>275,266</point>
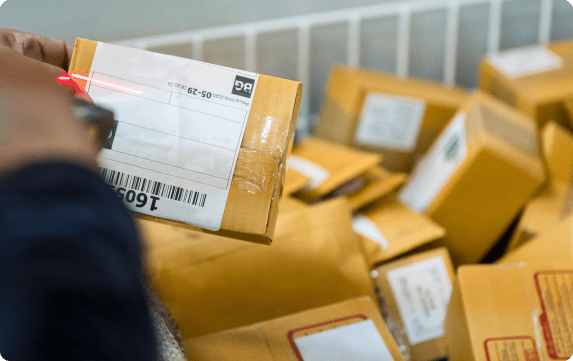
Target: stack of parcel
<point>365,241</point>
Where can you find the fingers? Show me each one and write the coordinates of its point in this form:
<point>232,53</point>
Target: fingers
<point>55,54</point>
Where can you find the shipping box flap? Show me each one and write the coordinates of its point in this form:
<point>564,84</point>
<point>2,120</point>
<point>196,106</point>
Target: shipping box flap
<point>377,182</point>
<point>349,330</point>
<point>294,181</point>
<point>427,278</point>
<point>252,204</point>
<point>555,201</point>
<point>557,145</point>
<point>211,283</point>
<point>341,164</point>
<point>400,230</point>
<point>555,244</point>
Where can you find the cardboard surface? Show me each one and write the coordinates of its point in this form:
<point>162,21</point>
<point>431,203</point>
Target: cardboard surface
<point>541,95</point>
<point>211,283</point>
<point>257,183</point>
<point>345,94</point>
<point>516,312</point>
<point>433,298</point>
<point>376,183</point>
<point>403,229</point>
<point>280,339</point>
<point>555,244</point>
<point>341,162</point>
<point>294,182</point>
<point>501,170</point>
<point>555,201</point>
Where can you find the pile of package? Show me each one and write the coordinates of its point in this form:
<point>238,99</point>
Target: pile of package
<point>386,212</point>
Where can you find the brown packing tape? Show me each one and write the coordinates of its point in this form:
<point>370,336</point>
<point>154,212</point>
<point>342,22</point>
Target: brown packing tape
<point>252,204</point>
<point>210,283</point>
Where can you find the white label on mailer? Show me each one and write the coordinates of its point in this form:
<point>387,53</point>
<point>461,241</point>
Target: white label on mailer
<point>316,173</point>
<point>180,123</point>
<point>359,341</point>
<point>525,61</point>
<point>390,121</point>
<point>422,291</point>
<point>432,173</point>
<point>365,227</point>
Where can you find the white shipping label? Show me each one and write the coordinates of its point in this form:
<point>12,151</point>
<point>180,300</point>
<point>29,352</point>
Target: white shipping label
<point>365,227</point>
<point>525,61</point>
<point>359,341</point>
<point>178,131</point>
<point>422,291</point>
<point>316,173</point>
<point>441,161</point>
<point>390,121</point>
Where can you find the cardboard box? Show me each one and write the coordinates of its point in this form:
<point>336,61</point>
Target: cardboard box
<point>350,330</point>
<point>537,80</point>
<point>251,209</point>
<point>510,312</point>
<point>555,244</point>
<point>329,165</point>
<point>477,176</point>
<point>416,291</point>
<point>397,117</point>
<point>389,229</point>
<point>211,283</point>
<point>555,201</point>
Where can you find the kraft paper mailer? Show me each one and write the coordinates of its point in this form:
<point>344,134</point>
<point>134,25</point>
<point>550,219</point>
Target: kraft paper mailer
<point>350,330</point>
<point>400,230</point>
<point>329,165</point>
<point>369,187</point>
<point>211,283</point>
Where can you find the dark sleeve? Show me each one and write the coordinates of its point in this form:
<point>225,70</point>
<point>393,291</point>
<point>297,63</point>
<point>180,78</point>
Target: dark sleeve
<point>70,269</point>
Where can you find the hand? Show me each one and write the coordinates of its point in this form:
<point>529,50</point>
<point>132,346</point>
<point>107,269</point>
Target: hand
<point>36,118</point>
<point>54,54</point>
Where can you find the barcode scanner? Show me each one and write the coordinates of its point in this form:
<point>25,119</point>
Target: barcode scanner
<point>99,120</point>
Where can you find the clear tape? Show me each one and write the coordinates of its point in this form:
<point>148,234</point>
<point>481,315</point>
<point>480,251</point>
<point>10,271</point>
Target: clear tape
<point>262,155</point>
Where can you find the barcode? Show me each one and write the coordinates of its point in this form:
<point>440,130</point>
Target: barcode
<point>159,189</point>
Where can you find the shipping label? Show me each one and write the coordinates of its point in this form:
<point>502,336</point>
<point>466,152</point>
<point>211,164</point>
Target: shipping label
<point>354,338</point>
<point>422,292</point>
<point>555,292</point>
<point>178,130</point>
<point>521,348</point>
<point>390,121</point>
<point>525,61</point>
